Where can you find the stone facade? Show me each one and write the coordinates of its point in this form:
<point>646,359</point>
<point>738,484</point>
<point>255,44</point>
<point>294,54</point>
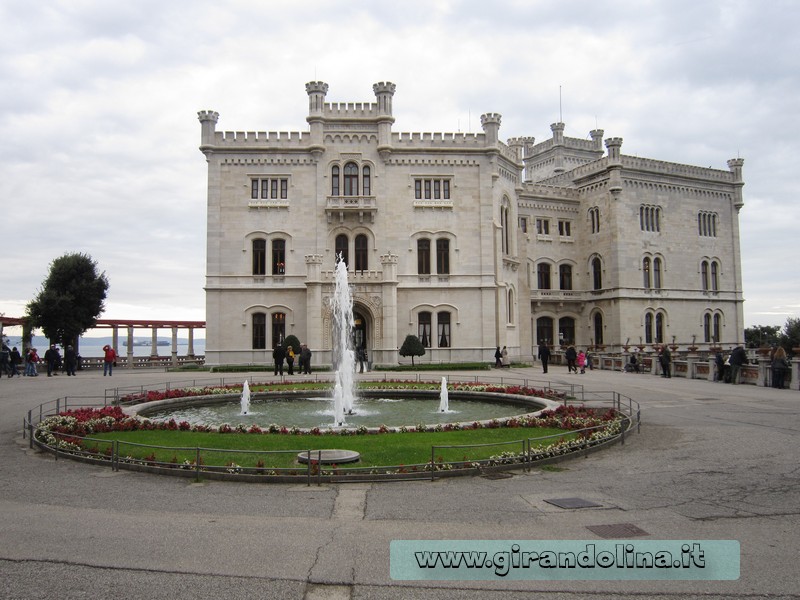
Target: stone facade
<point>463,240</point>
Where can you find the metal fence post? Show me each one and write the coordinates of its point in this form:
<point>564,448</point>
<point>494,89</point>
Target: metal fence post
<point>197,463</point>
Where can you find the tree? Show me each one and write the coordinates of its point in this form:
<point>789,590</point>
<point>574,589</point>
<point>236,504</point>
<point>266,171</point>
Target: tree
<point>71,298</point>
<point>761,335</point>
<point>412,347</point>
<point>291,340</point>
<point>790,337</point>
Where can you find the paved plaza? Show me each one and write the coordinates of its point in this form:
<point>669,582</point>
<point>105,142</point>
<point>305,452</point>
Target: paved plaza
<point>712,462</point>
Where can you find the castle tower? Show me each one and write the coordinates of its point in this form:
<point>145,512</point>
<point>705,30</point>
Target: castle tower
<point>735,165</point>
<point>208,123</point>
<point>383,93</point>
<point>597,138</point>
<point>316,91</point>
<point>614,165</point>
<point>491,127</point>
<point>558,143</point>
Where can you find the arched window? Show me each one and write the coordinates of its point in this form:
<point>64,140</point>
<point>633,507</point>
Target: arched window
<point>707,328</point>
<point>566,330</point>
<point>278,328</point>
<point>565,277</point>
<point>443,332</point>
<point>366,180</point>
<point>341,249</point>
<point>598,328</point>
<point>259,331</point>
<point>594,217</point>
<point>717,319</point>
<point>424,329</point>
<point>659,328</point>
<point>657,262</point>
<point>544,330</point>
<point>543,275</point>
<point>443,256</point>
<point>505,229</point>
<point>597,273</point>
<point>423,256</point>
<point>714,276</point>
<point>259,257</point>
<point>278,257</point>
<point>362,254</point>
<point>334,181</point>
<point>646,272</point>
<point>351,179</point>
<point>648,328</point>
<point>704,275</point>
<point>510,305</point>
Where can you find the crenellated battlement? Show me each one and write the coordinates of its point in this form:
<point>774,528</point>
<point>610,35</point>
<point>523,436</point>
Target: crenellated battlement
<point>542,190</point>
<point>350,110</point>
<point>438,139</point>
<point>262,138</point>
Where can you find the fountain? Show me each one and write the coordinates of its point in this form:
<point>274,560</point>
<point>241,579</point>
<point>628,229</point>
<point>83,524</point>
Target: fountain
<point>444,402</point>
<point>245,400</point>
<point>344,356</point>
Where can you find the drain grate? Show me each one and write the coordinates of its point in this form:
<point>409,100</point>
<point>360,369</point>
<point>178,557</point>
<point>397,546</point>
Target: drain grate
<point>572,503</point>
<point>618,531</point>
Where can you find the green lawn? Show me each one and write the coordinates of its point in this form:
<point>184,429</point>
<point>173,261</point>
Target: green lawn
<point>388,449</point>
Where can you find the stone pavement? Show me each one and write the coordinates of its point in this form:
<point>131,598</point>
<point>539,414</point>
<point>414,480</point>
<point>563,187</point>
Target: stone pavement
<point>712,461</point>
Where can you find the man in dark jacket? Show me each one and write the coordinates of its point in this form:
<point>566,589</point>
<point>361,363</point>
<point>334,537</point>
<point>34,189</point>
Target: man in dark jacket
<point>278,354</point>
<point>738,359</point>
<point>571,355</point>
<point>544,355</point>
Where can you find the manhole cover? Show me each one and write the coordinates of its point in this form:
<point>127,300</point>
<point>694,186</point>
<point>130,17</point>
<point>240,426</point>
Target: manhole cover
<point>572,503</point>
<point>618,531</point>
<point>497,475</point>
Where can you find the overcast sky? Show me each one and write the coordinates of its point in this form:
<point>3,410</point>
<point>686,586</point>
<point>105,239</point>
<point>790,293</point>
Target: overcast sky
<point>100,133</point>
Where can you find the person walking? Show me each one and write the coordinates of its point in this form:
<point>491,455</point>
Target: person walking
<point>109,360</point>
<point>278,354</point>
<point>738,359</point>
<point>305,359</point>
<point>544,355</point>
<point>572,356</point>
<point>504,360</point>
<point>498,359</point>
<point>15,358</point>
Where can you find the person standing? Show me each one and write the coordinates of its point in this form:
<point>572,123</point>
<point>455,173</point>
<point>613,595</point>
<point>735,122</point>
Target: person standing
<point>544,355</point>
<point>362,359</point>
<point>50,357</point>
<point>779,367</point>
<point>582,362</point>
<point>15,358</point>
<point>737,360</point>
<point>278,354</point>
<point>665,358</point>
<point>5,361</point>
<point>719,363</point>
<point>504,360</point>
<point>30,363</point>
<point>498,359</point>
<point>290,359</point>
<point>70,360</point>
<point>571,355</point>
<point>109,360</point>
<point>305,357</point>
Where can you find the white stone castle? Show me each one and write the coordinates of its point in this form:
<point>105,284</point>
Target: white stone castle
<point>467,242</point>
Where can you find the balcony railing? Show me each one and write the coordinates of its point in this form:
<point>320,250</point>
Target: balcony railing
<point>341,206</point>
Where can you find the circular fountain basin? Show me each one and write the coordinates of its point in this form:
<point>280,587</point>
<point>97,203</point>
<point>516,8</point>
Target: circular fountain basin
<point>372,409</point>
<point>330,457</point>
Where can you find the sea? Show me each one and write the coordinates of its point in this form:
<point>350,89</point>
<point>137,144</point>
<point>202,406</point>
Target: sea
<point>93,347</point>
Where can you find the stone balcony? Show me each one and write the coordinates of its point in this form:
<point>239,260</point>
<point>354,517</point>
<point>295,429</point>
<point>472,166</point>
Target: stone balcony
<point>343,206</point>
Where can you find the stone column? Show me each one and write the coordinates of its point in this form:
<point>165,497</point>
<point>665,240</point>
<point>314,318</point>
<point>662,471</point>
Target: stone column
<point>313,335</point>
<point>174,346</point>
<point>795,366</point>
<point>130,347</point>
<point>389,344</point>
<point>154,343</point>
<point>190,349</point>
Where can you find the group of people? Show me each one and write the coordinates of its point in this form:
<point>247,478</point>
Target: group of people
<point>501,359</point>
<point>576,359</point>
<point>286,352</point>
<point>9,359</point>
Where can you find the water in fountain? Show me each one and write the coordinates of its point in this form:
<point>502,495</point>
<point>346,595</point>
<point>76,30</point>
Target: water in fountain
<point>444,402</point>
<point>245,401</point>
<point>344,356</point>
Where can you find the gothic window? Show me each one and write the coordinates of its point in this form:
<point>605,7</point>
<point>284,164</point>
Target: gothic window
<point>543,276</point>
<point>598,328</point>
<point>423,256</point>
<point>351,179</point>
<point>704,275</point>
<point>543,226</point>
<point>341,249</point>
<point>269,188</point>
<point>657,267</point>
<point>366,181</point>
<point>707,328</point>
<point>544,330</point>
<point>424,329</point>
<point>597,273</point>
<point>335,181</point>
<point>362,254</point>
<point>717,319</point>
<point>714,276</point>
<point>278,328</point>
<point>259,257</point>
<point>259,331</point>
<point>566,330</point>
<point>565,228</point>
<point>594,218</point>
<point>659,328</point>
<point>707,224</point>
<point>648,328</point>
<point>650,218</point>
<point>646,272</point>
<point>565,277</point>
<point>442,256</point>
<point>278,257</point>
<point>510,305</point>
<point>443,331</point>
